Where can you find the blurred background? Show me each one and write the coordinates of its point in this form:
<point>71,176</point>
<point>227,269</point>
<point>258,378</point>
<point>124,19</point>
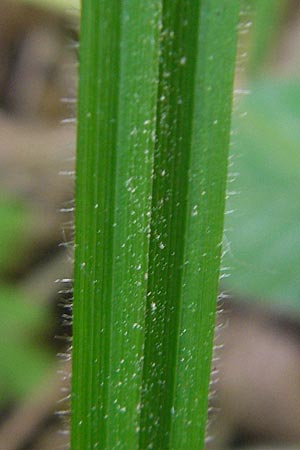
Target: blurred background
<point>255,402</point>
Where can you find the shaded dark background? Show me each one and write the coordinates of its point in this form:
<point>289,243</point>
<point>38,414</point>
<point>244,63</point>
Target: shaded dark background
<point>257,399</point>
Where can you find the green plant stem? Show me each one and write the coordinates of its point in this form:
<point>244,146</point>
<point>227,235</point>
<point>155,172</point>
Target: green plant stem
<point>190,169</point>
<point>116,126</point>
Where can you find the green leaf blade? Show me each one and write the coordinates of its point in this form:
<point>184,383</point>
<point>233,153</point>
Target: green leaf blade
<point>114,163</point>
<point>190,169</point>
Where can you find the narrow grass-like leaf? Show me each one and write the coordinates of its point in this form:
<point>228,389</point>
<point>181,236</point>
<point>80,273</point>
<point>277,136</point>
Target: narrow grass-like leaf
<point>190,167</point>
<point>116,126</point>
<point>116,376</point>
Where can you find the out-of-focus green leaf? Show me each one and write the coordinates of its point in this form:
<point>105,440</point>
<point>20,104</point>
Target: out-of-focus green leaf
<point>15,221</point>
<point>267,18</point>
<point>264,229</point>
<point>67,6</point>
<point>22,363</point>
